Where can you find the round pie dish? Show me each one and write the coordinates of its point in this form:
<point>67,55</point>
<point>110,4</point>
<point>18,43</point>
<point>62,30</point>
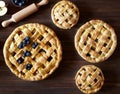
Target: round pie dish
<point>95,41</point>
<point>65,14</point>
<point>89,79</point>
<point>32,52</point>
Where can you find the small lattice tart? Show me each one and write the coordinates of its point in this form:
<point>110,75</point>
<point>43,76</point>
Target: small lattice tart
<point>89,79</point>
<point>95,41</point>
<point>32,51</point>
<point>65,14</point>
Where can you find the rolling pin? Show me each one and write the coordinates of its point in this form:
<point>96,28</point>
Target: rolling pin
<point>24,13</point>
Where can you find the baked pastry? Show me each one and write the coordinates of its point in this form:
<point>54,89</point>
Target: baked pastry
<point>32,51</point>
<point>95,41</point>
<point>89,79</point>
<point>65,14</point>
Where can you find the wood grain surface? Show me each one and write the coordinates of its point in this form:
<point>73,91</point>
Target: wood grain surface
<point>62,80</point>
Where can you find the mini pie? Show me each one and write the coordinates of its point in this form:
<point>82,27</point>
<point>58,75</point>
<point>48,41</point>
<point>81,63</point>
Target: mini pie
<point>65,14</point>
<point>95,41</point>
<point>89,79</point>
<point>32,51</point>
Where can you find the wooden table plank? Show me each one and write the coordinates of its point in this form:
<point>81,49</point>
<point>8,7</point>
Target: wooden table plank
<point>62,80</point>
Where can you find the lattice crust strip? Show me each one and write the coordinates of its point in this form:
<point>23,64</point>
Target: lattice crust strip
<point>65,14</point>
<point>89,79</point>
<point>95,41</point>
<point>37,59</point>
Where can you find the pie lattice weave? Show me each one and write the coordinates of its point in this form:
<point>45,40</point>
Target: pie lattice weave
<point>65,14</point>
<point>36,59</point>
<point>95,41</point>
<point>89,79</point>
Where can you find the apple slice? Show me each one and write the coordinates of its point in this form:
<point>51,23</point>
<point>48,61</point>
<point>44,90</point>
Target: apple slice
<point>3,8</point>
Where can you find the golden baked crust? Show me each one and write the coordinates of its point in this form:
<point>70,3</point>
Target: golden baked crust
<point>65,14</point>
<point>89,79</point>
<point>37,59</point>
<point>95,41</point>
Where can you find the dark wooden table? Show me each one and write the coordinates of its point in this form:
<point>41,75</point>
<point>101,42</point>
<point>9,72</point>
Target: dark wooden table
<point>62,80</point>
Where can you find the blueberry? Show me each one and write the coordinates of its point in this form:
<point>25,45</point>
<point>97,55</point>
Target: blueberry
<point>24,55</point>
<point>24,44</point>
<point>34,45</point>
<point>23,2</point>
<point>28,66</point>
<point>27,53</point>
<point>28,41</point>
<point>24,41</point>
<point>27,38</point>
<point>20,46</point>
<point>20,4</point>
<point>15,1</point>
<point>20,60</point>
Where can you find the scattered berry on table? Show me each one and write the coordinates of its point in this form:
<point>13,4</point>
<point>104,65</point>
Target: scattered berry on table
<point>20,2</point>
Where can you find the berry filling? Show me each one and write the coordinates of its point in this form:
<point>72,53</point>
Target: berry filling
<point>34,45</point>
<point>27,53</point>
<point>25,41</point>
<point>28,66</point>
<point>20,60</point>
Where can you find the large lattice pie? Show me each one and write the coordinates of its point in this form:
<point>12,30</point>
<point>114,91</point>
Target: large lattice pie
<point>65,14</point>
<point>32,51</point>
<point>95,41</point>
<point>89,79</point>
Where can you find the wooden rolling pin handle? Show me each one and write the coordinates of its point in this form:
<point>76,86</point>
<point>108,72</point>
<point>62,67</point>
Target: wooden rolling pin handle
<point>7,22</point>
<point>43,2</point>
<point>24,13</point>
